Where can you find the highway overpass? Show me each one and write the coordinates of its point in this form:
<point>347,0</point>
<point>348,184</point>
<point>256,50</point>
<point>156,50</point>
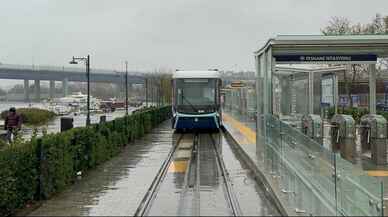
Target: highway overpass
<point>64,75</point>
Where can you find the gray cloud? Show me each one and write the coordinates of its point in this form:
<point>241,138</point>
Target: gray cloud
<point>189,34</point>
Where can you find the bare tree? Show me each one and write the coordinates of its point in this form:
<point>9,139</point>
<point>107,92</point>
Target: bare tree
<point>337,26</point>
<point>385,20</point>
<point>342,26</point>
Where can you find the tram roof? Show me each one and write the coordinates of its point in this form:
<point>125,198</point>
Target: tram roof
<point>342,44</point>
<point>197,74</point>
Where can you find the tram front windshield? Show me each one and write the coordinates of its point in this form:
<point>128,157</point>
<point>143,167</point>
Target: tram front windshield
<point>196,95</point>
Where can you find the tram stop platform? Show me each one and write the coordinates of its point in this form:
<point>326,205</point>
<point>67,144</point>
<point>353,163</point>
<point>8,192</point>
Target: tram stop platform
<point>242,130</point>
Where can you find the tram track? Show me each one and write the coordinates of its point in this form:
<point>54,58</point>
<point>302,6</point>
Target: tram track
<point>205,168</point>
<point>150,195</point>
<point>189,197</point>
<point>229,191</point>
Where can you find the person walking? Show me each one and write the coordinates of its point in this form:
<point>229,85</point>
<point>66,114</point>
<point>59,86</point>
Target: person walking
<point>12,124</point>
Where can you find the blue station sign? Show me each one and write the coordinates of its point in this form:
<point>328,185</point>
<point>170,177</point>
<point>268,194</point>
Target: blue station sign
<point>327,58</point>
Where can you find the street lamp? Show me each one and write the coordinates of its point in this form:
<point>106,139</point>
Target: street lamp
<point>87,63</point>
<point>126,88</point>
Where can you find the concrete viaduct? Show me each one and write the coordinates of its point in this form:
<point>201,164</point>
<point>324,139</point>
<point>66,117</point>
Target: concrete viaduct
<point>62,74</point>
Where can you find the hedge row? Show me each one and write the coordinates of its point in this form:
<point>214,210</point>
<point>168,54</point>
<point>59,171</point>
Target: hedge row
<point>44,166</point>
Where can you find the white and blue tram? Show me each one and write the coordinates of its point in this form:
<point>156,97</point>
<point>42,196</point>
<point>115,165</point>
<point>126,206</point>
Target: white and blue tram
<point>196,100</point>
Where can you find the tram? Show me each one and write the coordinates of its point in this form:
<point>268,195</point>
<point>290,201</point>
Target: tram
<point>196,100</point>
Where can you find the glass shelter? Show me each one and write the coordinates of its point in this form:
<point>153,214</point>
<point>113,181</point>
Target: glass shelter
<point>309,178</point>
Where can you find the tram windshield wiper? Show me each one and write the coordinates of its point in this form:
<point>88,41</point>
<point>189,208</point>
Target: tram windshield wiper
<point>188,102</point>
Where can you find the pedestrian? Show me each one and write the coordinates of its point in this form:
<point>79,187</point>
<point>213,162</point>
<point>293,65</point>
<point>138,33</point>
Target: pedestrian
<point>12,124</point>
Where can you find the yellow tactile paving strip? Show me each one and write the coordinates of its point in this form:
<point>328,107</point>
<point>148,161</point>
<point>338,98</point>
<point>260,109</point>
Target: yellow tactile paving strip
<point>182,155</point>
<point>378,173</point>
<point>178,166</point>
<point>248,133</point>
<point>249,137</point>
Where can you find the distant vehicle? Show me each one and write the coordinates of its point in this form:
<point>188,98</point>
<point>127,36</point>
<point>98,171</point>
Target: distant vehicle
<point>196,100</point>
<point>112,105</point>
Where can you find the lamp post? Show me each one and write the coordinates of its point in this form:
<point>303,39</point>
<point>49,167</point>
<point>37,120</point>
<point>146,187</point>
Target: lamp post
<point>126,88</point>
<point>146,91</point>
<point>87,63</point>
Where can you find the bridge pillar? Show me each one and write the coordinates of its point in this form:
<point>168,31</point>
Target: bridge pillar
<point>37,90</point>
<point>26,90</point>
<point>52,89</point>
<point>65,87</point>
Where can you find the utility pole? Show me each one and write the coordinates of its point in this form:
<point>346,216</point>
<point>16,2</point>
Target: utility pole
<point>88,100</point>
<point>87,63</point>
<point>146,91</point>
<point>126,88</point>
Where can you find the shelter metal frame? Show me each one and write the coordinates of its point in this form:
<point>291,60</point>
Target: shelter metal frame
<point>266,62</point>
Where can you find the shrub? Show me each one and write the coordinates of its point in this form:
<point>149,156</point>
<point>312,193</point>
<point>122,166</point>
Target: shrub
<point>356,113</point>
<point>18,177</point>
<point>45,166</point>
<point>32,116</point>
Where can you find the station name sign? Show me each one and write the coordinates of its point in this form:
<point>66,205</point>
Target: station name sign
<point>327,58</point>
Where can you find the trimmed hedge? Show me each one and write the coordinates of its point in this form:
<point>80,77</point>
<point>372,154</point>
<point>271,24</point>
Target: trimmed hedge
<point>44,166</point>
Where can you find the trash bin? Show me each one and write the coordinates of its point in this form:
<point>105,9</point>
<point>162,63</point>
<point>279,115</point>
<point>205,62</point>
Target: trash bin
<point>102,119</point>
<point>66,123</point>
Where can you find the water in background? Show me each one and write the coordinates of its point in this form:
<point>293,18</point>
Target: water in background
<point>54,125</point>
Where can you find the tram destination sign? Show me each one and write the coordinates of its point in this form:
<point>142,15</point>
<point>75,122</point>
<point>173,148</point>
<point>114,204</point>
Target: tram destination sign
<point>327,58</point>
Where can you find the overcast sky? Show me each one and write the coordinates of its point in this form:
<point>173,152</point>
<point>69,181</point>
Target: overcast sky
<point>184,34</point>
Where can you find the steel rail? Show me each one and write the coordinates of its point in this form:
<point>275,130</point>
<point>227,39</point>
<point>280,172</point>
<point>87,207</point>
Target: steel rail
<point>146,202</point>
<point>231,197</point>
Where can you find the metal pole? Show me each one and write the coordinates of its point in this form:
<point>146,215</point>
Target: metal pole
<point>311,92</point>
<point>153,92</point>
<point>335,94</point>
<point>126,88</point>
<point>146,91</point>
<point>160,93</point>
<point>372,89</point>
<point>88,90</point>
<point>157,93</point>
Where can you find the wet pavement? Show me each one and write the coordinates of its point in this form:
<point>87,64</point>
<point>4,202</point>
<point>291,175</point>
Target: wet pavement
<point>251,196</point>
<point>192,185</point>
<point>116,187</point>
<point>167,200</point>
<point>213,198</point>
